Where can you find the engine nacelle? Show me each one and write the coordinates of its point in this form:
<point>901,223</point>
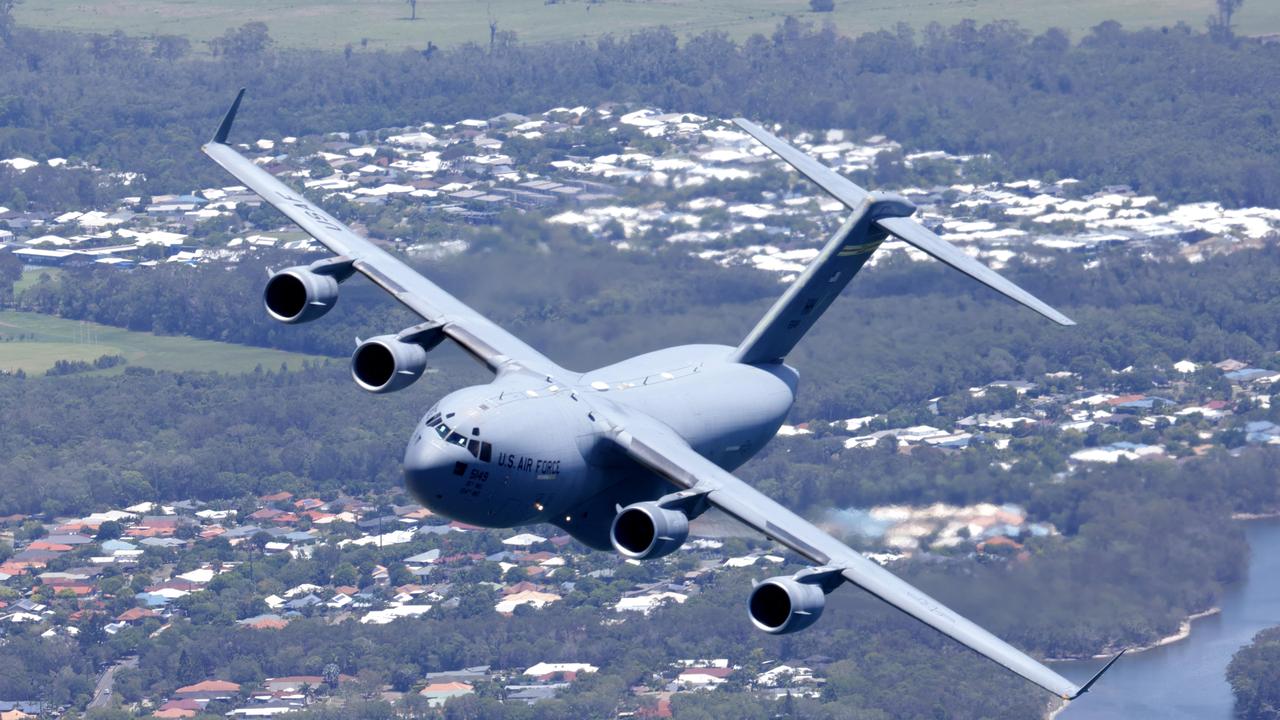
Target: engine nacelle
<point>299,294</point>
<point>647,530</point>
<point>782,605</point>
<point>387,363</point>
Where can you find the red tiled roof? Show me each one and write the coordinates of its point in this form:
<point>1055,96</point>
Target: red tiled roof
<point>1125,399</point>
<point>133,614</point>
<point>446,688</point>
<point>267,623</point>
<point>208,686</point>
<point>51,547</point>
<point>522,586</point>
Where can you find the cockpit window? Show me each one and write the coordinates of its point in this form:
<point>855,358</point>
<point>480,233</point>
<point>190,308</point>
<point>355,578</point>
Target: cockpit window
<point>480,450</point>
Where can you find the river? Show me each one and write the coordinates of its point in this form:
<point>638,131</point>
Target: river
<point>1186,680</point>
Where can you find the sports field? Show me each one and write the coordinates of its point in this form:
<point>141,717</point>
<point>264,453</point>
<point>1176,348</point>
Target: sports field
<point>332,24</point>
<point>33,343</point>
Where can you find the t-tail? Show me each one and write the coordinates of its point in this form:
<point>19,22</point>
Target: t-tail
<point>875,217</point>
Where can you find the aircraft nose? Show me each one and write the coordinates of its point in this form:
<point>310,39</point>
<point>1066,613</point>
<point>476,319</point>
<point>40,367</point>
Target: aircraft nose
<point>428,466</point>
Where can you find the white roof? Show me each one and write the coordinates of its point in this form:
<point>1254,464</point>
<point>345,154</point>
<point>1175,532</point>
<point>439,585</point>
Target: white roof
<point>524,540</point>
<point>646,603</point>
<point>19,163</point>
<point>382,617</point>
<point>199,576</point>
<point>545,668</point>
<point>38,252</point>
<point>532,598</point>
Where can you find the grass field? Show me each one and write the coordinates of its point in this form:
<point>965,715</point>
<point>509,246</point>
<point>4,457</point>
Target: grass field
<point>332,24</point>
<point>31,276</point>
<point>58,339</point>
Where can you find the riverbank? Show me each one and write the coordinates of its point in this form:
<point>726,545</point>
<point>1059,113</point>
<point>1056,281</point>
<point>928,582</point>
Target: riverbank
<point>1184,632</point>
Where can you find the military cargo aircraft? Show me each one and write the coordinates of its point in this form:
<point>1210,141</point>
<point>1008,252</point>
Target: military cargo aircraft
<point>624,456</point>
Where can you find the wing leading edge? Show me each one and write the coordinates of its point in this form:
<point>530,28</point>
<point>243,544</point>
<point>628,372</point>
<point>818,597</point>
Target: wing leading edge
<point>660,449</point>
<point>480,337</point>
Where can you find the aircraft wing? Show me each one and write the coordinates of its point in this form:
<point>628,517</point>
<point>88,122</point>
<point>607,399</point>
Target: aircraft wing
<point>663,451</point>
<point>481,338</point>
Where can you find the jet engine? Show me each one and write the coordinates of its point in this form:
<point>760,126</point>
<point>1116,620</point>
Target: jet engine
<point>647,530</point>
<point>300,294</point>
<point>782,605</point>
<point>387,363</point>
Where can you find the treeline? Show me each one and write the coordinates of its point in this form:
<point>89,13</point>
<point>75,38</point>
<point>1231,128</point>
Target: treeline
<point>96,441</point>
<point>1254,674</point>
<point>70,367</point>
<point>1105,108</point>
<point>903,331</point>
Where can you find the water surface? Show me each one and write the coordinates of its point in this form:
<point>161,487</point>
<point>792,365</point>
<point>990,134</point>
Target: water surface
<point>1187,680</point>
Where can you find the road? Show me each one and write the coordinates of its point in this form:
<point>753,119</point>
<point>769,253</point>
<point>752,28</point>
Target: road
<point>102,692</point>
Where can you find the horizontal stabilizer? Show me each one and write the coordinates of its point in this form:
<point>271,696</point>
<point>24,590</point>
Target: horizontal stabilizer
<point>910,231</point>
<point>926,240</point>
<point>839,186</point>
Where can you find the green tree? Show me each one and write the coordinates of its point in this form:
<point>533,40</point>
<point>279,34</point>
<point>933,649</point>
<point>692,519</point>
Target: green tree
<point>6,19</point>
<point>249,42</point>
<point>1254,674</point>
<point>1220,23</point>
<point>109,530</point>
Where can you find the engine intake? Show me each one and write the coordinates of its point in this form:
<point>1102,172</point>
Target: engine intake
<point>387,363</point>
<point>299,294</point>
<point>782,605</point>
<point>647,530</point>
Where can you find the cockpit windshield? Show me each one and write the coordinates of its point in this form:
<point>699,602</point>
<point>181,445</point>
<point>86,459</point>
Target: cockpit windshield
<point>479,449</point>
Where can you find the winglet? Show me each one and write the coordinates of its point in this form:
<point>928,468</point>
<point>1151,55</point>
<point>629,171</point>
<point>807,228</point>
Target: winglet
<point>1085,688</point>
<point>225,128</point>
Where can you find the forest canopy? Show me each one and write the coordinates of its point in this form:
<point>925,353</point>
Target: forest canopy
<point>1103,108</point>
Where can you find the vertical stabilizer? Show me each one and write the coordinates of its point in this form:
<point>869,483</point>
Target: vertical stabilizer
<point>821,283</point>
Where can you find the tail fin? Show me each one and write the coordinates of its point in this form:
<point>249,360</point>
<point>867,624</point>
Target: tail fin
<point>875,216</point>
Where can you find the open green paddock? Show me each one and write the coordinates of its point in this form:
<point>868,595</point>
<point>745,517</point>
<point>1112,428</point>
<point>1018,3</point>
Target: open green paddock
<point>333,24</point>
<point>33,342</point>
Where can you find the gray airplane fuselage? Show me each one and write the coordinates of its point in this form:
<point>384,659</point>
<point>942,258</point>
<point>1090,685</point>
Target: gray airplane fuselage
<point>523,450</point>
